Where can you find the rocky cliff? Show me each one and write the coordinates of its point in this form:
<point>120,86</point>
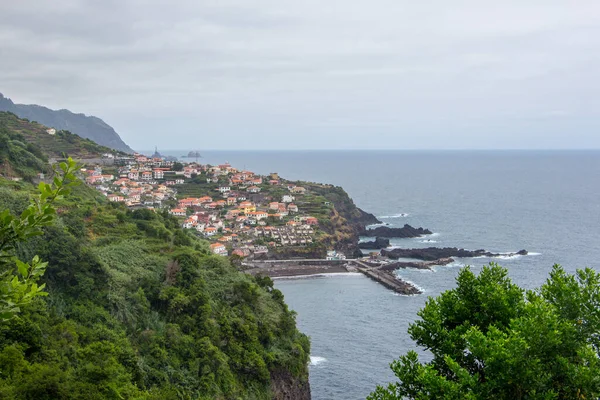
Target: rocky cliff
<point>285,386</point>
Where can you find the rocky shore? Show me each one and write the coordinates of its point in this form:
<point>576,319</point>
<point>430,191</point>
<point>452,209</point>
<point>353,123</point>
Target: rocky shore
<point>377,244</point>
<point>406,231</point>
<point>436,253</point>
<point>416,264</point>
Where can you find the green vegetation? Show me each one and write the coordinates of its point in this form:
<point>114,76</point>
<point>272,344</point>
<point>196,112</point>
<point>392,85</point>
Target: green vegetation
<point>136,307</point>
<point>18,279</point>
<point>35,139</point>
<point>491,339</point>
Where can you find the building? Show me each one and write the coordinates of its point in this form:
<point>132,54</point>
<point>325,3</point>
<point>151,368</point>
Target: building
<point>218,249</point>
<point>177,212</point>
<point>299,190</point>
<point>334,255</point>
<point>159,174</point>
<point>287,198</point>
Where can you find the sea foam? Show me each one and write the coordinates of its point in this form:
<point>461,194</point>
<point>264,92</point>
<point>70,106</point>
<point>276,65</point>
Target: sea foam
<point>315,360</point>
<point>401,215</point>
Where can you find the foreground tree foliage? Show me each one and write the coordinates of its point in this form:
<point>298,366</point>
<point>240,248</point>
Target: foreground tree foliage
<point>491,339</point>
<point>18,279</point>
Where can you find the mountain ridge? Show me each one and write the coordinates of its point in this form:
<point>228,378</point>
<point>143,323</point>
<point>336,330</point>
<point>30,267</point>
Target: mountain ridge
<point>86,126</point>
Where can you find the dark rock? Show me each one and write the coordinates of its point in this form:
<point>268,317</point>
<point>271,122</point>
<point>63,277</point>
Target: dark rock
<point>416,264</point>
<point>366,218</point>
<point>406,231</point>
<point>435,253</point>
<point>285,386</point>
<point>378,243</point>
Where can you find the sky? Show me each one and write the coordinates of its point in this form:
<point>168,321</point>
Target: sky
<point>313,74</point>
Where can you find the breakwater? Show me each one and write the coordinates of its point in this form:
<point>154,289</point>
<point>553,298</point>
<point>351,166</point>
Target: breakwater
<point>308,267</point>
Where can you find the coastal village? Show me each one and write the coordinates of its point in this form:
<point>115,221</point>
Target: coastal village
<point>238,211</point>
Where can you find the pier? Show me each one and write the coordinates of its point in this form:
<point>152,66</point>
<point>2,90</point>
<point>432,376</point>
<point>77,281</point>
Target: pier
<point>308,267</point>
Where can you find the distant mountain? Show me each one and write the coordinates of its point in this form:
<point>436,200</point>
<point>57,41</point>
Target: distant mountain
<point>89,127</point>
<point>26,147</point>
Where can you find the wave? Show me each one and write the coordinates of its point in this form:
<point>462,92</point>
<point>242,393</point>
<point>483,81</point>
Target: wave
<point>401,215</point>
<point>410,283</point>
<point>534,254</point>
<point>377,225</point>
<point>315,360</point>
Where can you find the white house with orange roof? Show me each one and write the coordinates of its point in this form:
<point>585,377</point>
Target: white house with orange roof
<point>210,231</point>
<point>253,189</point>
<point>292,208</point>
<point>177,212</point>
<point>218,249</point>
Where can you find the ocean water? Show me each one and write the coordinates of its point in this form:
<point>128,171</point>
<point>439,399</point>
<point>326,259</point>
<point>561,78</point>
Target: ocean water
<point>547,202</point>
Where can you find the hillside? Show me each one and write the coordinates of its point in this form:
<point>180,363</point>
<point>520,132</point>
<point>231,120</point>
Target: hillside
<point>88,127</point>
<point>26,146</point>
<point>138,309</point>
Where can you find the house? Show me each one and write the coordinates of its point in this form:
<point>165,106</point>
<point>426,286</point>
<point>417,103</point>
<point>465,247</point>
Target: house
<point>260,250</point>
<point>312,221</point>
<point>299,190</point>
<point>292,208</point>
<point>258,215</point>
<point>146,176</point>
<point>231,201</point>
<point>51,131</point>
<point>273,182</point>
<point>224,189</point>
<point>334,255</point>
<point>134,175</point>
<point>115,198</point>
<point>218,249</point>
<point>287,198</point>
<point>177,212</point>
<point>241,252</point>
<point>159,174</point>
<point>179,181</point>
<point>210,231</point>
<point>247,207</point>
<point>253,189</point>
<point>274,205</point>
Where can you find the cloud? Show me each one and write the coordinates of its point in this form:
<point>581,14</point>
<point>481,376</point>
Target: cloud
<point>325,72</point>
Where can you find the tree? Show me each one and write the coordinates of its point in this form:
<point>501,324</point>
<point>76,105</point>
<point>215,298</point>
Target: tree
<point>18,279</point>
<point>177,166</point>
<point>491,339</point>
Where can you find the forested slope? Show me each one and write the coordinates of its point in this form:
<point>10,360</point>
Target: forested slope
<point>137,309</point>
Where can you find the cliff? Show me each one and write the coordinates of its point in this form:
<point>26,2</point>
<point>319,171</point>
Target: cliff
<point>88,127</point>
<point>341,221</point>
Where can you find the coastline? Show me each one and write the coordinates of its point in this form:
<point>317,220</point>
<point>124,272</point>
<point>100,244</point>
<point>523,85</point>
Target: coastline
<point>282,269</point>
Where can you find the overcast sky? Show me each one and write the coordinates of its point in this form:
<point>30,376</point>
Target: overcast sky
<point>313,74</point>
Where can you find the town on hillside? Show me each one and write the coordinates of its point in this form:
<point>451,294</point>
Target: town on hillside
<point>240,212</point>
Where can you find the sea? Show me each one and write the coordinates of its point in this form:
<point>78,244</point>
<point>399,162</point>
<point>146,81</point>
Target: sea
<point>547,202</point>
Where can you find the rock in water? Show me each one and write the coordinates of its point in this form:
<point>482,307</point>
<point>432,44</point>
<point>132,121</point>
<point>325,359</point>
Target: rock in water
<point>435,253</point>
<point>378,243</point>
<point>406,231</point>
